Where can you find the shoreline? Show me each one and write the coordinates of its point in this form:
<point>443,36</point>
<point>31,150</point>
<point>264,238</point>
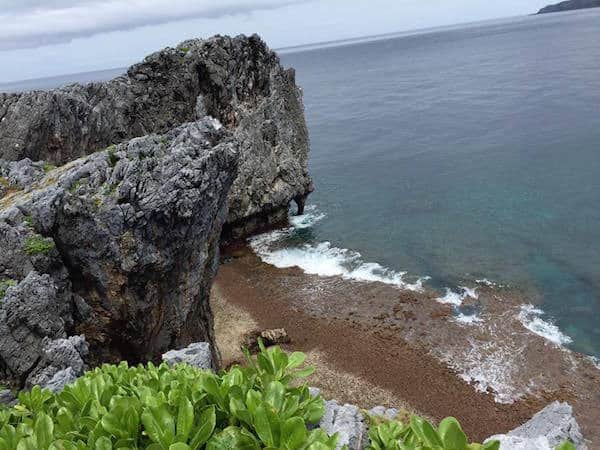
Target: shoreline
<point>419,381</point>
<point>370,337</point>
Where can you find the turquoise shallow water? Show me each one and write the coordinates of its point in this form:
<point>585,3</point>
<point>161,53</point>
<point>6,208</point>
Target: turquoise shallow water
<point>464,154</point>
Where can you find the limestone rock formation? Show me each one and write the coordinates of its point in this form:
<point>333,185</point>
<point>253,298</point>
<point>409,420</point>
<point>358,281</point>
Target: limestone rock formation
<point>348,422</point>
<point>545,431</point>
<point>120,246</point>
<point>238,81</point>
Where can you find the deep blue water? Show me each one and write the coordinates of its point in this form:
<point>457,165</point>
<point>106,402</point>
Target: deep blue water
<point>467,153</point>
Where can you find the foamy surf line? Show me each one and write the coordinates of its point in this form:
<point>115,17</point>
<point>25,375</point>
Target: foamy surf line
<point>322,258</point>
<point>531,318</point>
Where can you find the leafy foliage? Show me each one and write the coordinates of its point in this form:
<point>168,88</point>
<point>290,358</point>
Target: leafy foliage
<point>182,408</point>
<point>418,434</point>
<point>38,245</point>
<point>4,285</point>
<point>172,408</point>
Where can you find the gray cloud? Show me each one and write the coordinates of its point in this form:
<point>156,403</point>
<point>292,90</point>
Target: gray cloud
<point>34,23</point>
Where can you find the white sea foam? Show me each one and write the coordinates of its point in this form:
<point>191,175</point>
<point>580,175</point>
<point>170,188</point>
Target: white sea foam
<point>490,366</point>
<point>531,318</point>
<point>468,319</point>
<point>323,258</point>
<point>310,217</point>
<point>456,298</point>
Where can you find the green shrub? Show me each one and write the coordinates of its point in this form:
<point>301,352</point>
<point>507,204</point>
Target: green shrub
<point>38,245</point>
<point>420,434</point>
<point>183,408</point>
<point>4,285</point>
<point>48,167</point>
<point>179,408</point>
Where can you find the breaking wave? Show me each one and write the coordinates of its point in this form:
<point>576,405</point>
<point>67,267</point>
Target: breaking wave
<point>323,258</point>
<point>531,318</point>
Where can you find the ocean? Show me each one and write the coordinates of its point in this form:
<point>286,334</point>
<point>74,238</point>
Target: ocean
<point>455,159</point>
<point>467,155</point>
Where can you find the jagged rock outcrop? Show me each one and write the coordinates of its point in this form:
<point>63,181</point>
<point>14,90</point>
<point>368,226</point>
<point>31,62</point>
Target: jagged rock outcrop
<point>570,5</point>
<point>238,81</point>
<point>546,430</point>
<point>119,246</point>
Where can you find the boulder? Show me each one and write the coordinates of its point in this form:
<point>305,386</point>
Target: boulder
<point>547,429</point>
<point>60,379</point>
<point>238,81</point>
<point>273,336</point>
<point>7,397</point>
<point>348,422</point>
<point>197,354</point>
<point>62,361</point>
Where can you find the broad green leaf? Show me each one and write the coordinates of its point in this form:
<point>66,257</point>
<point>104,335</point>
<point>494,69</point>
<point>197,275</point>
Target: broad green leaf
<point>159,424</point>
<point>452,434</point>
<point>293,433</point>
<point>185,419</point>
<point>206,426</point>
<point>425,431</point>
<point>295,360</point>
<point>44,431</point>
<point>232,438</point>
<point>103,443</point>
<point>179,446</point>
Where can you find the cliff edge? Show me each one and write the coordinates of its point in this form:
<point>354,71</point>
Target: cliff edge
<point>239,81</point>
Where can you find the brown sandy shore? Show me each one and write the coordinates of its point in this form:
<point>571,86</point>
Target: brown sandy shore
<point>375,344</point>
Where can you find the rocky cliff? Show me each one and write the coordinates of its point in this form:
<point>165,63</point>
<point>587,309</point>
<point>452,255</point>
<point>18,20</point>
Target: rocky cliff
<point>238,81</point>
<point>569,5</point>
<point>119,246</point>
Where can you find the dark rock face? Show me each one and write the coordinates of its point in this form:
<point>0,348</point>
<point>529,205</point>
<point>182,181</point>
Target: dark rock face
<point>120,246</point>
<point>570,5</point>
<point>238,81</point>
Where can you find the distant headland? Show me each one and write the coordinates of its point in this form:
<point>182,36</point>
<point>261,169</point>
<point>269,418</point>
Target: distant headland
<point>569,5</point>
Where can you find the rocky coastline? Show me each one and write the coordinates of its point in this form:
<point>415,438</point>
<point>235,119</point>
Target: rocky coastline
<point>116,197</point>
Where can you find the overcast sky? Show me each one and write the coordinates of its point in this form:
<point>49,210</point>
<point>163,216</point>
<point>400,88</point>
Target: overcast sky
<point>40,38</point>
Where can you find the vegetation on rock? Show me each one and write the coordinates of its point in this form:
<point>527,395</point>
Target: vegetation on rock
<point>38,245</point>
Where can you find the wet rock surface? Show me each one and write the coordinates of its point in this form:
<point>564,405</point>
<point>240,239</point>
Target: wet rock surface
<point>238,81</point>
<point>120,246</point>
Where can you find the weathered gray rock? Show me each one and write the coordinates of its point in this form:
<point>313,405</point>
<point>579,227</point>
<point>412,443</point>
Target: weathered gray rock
<point>238,81</point>
<point>348,422</point>
<point>547,429</point>
<point>197,354</point>
<point>30,312</point>
<point>61,360</point>
<point>7,397</point>
<point>382,411</point>
<point>125,248</point>
<point>60,379</point>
